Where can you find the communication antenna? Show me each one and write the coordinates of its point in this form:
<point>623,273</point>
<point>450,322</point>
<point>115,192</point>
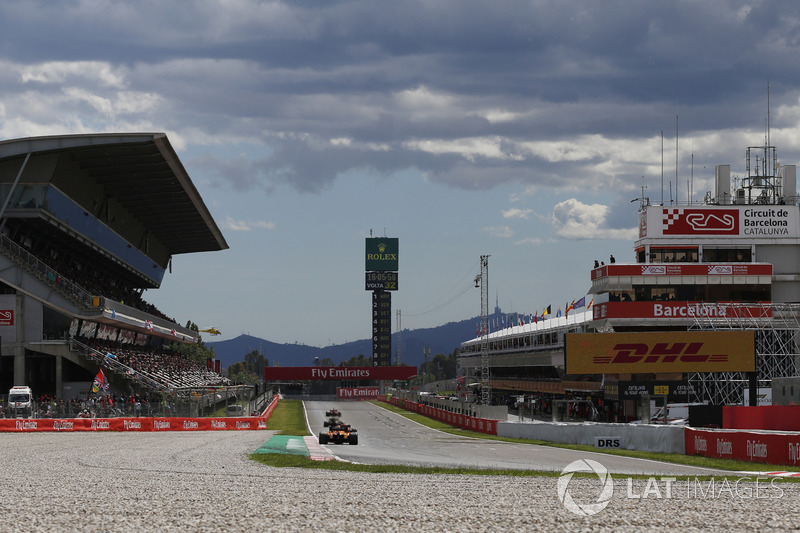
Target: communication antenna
<point>662,167</point>
<point>676,161</point>
<point>398,357</point>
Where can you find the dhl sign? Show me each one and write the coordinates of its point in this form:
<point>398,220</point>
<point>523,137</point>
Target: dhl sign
<point>662,351</point>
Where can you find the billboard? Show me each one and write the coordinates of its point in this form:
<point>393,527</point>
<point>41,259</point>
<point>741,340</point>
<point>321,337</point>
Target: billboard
<point>314,373</point>
<point>357,393</point>
<point>660,351</point>
<point>382,254</point>
<point>678,309</point>
<point>734,221</point>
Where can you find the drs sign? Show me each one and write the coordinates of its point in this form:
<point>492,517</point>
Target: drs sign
<point>608,442</point>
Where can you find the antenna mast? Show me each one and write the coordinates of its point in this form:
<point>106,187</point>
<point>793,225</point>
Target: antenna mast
<point>662,167</point>
<point>676,160</point>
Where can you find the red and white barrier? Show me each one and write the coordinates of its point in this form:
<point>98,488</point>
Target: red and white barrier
<point>777,448</point>
<point>481,425</point>
<point>26,425</point>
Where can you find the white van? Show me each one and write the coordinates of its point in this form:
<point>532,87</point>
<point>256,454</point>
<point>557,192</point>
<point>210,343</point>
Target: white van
<point>20,400</point>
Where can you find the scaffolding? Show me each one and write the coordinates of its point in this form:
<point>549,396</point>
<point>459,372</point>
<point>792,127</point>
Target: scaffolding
<point>776,326</point>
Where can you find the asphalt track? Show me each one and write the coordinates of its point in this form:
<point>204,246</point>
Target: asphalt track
<point>385,437</point>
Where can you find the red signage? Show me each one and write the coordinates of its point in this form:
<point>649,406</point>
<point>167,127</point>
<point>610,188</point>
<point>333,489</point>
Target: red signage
<point>132,424</point>
<point>754,446</point>
<point>686,221</point>
<point>677,309</point>
<point>358,393</point>
<point>314,373</point>
<point>7,317</point>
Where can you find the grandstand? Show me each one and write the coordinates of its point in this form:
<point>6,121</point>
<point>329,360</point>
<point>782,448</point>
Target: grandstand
<point>87,224</point>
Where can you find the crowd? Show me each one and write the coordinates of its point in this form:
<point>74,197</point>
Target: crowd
<point>170,369</point>
<point>104,406</point>
<point>62,265</point>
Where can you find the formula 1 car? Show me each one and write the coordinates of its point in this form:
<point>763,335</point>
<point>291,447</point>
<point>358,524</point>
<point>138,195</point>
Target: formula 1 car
<point>332,421</point>
<point>339,433</point>
<point>333,412</point>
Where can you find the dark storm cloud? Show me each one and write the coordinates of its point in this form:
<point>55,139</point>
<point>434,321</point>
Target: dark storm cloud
<point>462,90</point>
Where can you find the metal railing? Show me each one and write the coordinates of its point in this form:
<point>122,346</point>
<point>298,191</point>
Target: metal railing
<point>33,265</point>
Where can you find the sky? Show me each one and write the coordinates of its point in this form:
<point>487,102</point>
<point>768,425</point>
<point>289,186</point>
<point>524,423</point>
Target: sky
<point>523,130</point>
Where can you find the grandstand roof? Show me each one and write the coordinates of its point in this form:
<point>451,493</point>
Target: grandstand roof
<point>143,173</point>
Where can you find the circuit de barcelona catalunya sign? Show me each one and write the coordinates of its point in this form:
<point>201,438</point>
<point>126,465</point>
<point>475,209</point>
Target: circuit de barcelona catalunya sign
<point>313,373</point>
<point>768,221</point>
<point>673,351</point>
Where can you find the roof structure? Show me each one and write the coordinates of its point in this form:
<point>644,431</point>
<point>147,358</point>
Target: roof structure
<point>143,173</point>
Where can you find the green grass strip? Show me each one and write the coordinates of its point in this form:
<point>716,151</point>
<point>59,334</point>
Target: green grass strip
<point>288,418</point>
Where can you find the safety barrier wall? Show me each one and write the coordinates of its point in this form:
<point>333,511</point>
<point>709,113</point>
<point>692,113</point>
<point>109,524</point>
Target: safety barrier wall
<point>20,425</point>
<point>771,447</point>
<point>642,437</point>
<point>769,417</point>
<point>481,425</point>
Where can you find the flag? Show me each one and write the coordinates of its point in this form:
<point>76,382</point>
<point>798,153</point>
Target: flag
<point>547,311</point>
<point>99,382</point>
<point>148,325</point>
<point>580,303</point>
<point>558,314</point>
<point>590,303</point>
<point>536,317</point>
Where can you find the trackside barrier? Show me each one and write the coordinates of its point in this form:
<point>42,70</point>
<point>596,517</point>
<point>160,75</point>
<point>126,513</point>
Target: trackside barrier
<point>772,447</point>
<point>271,407</point>
<point>24,425</point>
<point>770,417</point>
<point>481,425</point>
<point>642,437</point>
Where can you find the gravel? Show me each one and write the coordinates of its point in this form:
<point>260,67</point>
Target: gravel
<point>204,481</point>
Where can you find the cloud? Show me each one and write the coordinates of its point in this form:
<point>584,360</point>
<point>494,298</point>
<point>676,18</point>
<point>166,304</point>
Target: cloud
<point>529,240</point>
<point>474,95</point>
<point>517,213</point>
<point>499,231</point>
<point>573,219</point>
<point>244,225</point>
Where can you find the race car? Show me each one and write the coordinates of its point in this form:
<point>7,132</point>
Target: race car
<point>333,412</point>
<point>332,421</point>
<point>339,434</point>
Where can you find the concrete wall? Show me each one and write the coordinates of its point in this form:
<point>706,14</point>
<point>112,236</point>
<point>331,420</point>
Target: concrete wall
<point>641,437</point>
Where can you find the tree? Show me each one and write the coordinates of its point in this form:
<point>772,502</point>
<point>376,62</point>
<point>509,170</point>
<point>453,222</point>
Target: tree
<point>360,360</point>
<point>238,373</point>
<point>442,367</point>
<point>254,362</point>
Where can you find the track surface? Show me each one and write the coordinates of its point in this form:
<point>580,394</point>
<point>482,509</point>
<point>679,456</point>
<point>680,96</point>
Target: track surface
<point>385,437</point>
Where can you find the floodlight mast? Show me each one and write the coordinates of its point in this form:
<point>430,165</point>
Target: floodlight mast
<point>482,279</point>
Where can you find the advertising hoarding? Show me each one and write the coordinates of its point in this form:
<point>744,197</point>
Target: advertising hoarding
<point>661,351</point>
<point>327,373</point>
<point>382,254</point>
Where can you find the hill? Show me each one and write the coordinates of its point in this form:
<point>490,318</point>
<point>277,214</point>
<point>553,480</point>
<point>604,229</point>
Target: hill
<point>441,340</point>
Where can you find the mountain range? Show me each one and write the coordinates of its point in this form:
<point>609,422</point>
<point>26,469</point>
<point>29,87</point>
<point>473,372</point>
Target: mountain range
<point>441,340</point>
